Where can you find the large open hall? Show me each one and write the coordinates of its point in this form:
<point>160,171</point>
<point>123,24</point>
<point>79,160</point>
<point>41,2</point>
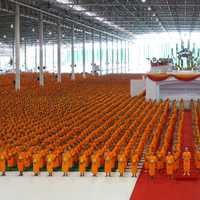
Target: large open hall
<point>100,99</point>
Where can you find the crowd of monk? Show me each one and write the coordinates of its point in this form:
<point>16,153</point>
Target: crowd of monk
<point>92,124</point>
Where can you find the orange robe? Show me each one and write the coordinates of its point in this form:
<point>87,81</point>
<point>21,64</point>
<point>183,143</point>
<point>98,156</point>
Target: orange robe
<point>10,160</point>
<point>20,161</point>
<point>36,163</point>
<point>186,162</point>
<point>152,165</point>
<point>121,164</point>
<point>108,163</point>
<point>95,164</point>
<point>2,161</point>
<point>50,162</point>
<point>197,159</point>
<point>170,165</point>
<point>66,162</point>
<point>82,164</point>
<point>134,163</point>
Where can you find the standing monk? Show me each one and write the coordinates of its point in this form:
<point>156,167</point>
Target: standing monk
<point>197,159</point>
<point>134,163</point>
<point>170,165</point>
<point>121,164</point>
<point>186,162</point>
<point>20,162</point>
<point>95,164</point>
<point>50,162</point>
<point>36,164</point>
<point>3,156</point>
<point>82,164</point>
<point>66,162</point>
<point>152,165</point>
<point>108,163</point>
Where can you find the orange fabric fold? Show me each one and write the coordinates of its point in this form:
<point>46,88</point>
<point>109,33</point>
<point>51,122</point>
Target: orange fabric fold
<point>181,77</point>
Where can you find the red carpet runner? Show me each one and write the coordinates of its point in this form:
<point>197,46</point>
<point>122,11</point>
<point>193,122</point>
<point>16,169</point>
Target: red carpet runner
<point>164,189</point>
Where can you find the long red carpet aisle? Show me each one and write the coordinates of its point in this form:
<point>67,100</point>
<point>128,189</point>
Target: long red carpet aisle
<point>164,189</point>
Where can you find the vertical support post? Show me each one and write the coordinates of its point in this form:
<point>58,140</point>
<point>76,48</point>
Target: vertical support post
<point>84,39</point>
<point>13,54</point>
<point>128,57</point>
<point>36,65</point>
<point>93,59</point>
<point>41,42</point>
<point>25,61</point>
<point>112,55</point>
<point>72,54</point>
<point>17,47</point>
<point>45,54</point>
<point>117,63</point>
<point>125,61</point>
<point>121,53</point>
<point>53,59</point>
<point>107,59</point>
<point>100,52</point>
<point>59,53</point>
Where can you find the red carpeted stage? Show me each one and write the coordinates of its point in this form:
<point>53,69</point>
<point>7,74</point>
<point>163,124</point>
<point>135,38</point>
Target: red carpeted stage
<point>181,188</point>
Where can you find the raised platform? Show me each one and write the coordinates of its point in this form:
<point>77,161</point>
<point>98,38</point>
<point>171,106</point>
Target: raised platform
<point>175,86</point>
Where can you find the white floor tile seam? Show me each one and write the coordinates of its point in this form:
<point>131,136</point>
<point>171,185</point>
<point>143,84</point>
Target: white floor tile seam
<point>72,187</point>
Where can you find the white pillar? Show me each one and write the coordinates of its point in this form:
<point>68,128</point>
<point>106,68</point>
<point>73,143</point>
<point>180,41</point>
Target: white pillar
<point>100,53</point>
<point>117,63</point>
<point>25,61</point>
<point>125,62</point>
<point>112,55</point>
<point>36,65</point>
<point>93,59</point>
<point>41,41</point>
<point>72,54</point>
<point>107,59</point>
<point>17,47</point>
<point>13,54</point>
<point>84,38</point>
<point>121,61</point>
<point>53,58</point>
<point>59,53</point>
<point>128,57</point>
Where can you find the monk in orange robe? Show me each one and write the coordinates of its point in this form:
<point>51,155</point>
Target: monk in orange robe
<point>170,164</point>
<point>152,165</point>
<point>121,164</point>
<point>134,164</point>
<point>176,154</point>
<point>82,164</point>
<point>186,162</point>
<point>3,156</point>
<point>95,164</point>
<point>197,159</point>
<point>160,162</point>
<point>146,162</point>
<point>108,164</point>
<point>10,159</point>
<point>50,163</point>
<point>36,164</point>
<point>66,162</point>
<point>20,163</point>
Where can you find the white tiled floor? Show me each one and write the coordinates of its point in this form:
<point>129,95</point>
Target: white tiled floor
<point>73,187</point>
